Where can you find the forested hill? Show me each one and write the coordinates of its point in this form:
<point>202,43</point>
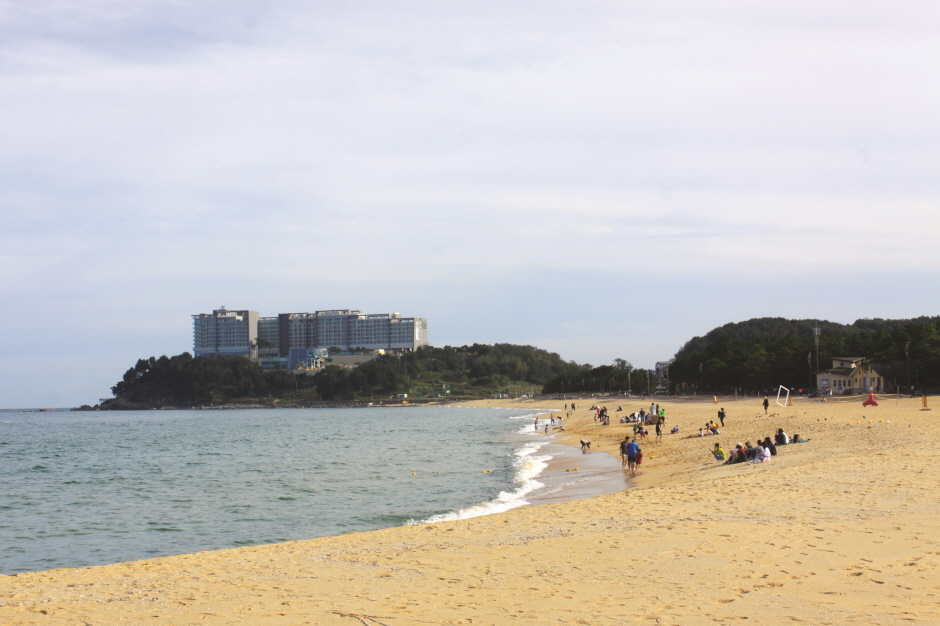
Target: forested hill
<point>466,371</point>
<point>762,327</point>
<point>758,355</point>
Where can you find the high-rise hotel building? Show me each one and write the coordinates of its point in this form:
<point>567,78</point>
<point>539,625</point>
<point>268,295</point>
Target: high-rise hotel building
<point>343,328</point>
<point>224,332</point>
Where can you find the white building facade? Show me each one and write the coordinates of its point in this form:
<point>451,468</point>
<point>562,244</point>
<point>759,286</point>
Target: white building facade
<point>345,329</point>
<point>224,332</point>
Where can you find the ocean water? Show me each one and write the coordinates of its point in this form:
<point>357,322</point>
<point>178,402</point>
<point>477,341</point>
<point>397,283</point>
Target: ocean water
<point>89,488</point>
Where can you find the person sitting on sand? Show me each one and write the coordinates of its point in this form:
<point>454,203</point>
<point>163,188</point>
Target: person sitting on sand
<point>769,445</point>
<point>737,455</point>
<point>758,454</point>
<point>781,437</point>
<point>720,454</point>
<point>701,432</point>
<point>798,439</point>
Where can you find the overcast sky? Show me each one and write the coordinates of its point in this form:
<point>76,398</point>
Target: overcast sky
<point>600,179</point>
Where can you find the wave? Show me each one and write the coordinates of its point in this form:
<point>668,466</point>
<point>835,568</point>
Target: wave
<point>528,466</point>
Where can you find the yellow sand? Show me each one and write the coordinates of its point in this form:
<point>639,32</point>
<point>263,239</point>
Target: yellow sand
<point>840,530</point>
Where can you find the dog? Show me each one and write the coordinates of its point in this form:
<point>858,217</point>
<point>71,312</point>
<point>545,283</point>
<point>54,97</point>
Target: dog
<point>585,445</point>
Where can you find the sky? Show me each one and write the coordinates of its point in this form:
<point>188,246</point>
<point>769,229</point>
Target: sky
<point>600,179</point>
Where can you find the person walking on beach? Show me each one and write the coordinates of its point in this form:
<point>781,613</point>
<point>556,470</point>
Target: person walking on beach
<point>623,452</point>
<point>721,416</point>
<point>766,404</point>
<point>659,431</point>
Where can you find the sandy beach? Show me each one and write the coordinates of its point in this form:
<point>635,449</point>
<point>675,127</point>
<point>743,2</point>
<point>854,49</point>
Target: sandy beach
<point>842,529</point>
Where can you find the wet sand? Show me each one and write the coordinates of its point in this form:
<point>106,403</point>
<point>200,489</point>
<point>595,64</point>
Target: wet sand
<point>844,529</point>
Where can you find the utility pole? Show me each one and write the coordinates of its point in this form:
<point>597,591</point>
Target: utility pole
<point>907,353</point>
<point>816,333</point>
<point>809,366</point>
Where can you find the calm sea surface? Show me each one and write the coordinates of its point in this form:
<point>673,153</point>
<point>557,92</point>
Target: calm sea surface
<point>88,488</point>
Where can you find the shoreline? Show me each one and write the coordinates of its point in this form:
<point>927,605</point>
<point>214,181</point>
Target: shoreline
<point>839,530</point>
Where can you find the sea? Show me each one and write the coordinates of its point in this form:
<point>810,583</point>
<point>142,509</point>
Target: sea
<point>98,487</point>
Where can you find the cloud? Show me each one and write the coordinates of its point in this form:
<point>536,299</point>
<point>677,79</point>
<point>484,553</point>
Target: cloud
<point>159,159</point>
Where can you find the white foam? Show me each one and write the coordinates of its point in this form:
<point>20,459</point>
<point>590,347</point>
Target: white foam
<point>528,466</point>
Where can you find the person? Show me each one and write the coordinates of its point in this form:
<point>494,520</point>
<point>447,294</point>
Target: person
<point>566,406</point>
<point>546,429</point>
<point>536,424</point>
<point>756,453</point>
<point>624,453</point>
<point>659,432</point>
<point>674,430</point>
<point>585,446</point>
<point>721,416</point>
<point>662,414</point>
<point>632,449</point>
<point>781,437</point>
<point>572,406</point>
<point>720,454</point>
<point>553,419</point>
<point>652,408</point>
<point>770,447</point>
<point>639,459</point>
<point>766,404</point>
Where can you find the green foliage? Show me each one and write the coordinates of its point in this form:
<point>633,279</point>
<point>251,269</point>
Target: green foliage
<point>762,327</point>
<point>182,380</point>
<point>761,354</point>
<point>474,370</point>
<point>482,368</point>
<point>603,379</point>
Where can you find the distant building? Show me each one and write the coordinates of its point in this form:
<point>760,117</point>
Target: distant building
<point>662,368</point>
<point>346,329</point>
<point>224,332</point>
<point>850,375</point>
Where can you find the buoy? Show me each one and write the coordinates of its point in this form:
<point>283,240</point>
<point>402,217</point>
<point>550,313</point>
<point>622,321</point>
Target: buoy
<point>870,422</point>
<point>414,473</point>
<point>848,423</point>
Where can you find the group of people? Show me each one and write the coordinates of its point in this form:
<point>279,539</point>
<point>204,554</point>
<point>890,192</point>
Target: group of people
<point>561,425</point>
<point>631,455</point>
<point>761,452</point>
<point>711,428</point>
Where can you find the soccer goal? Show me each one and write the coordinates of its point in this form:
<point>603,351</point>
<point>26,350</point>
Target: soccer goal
<point>784,393</point>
